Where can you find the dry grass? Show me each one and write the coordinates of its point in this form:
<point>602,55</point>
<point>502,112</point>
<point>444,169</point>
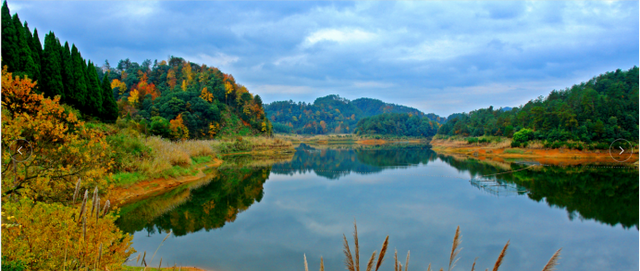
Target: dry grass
<point>351,266</point>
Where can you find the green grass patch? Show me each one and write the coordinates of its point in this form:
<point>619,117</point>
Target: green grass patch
<point>201,159</point>
<point>515,151</point>
<point>178,171</point>
<point>127,178</point>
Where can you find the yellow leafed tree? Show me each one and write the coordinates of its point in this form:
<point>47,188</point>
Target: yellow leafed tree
<point>133,97</point>
<point>178,129</point>
<point>122,87</point>
<point>206,95</point>
<point>184,85</point>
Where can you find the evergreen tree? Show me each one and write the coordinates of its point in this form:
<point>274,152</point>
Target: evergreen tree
<point>94,92</point>
<point>109,106</point>
<point>36,50</point>
<point>51,81</point>
<point>25,62</point>
<point>67,72</point>
<point>78,74</point>
<point>9,40</point>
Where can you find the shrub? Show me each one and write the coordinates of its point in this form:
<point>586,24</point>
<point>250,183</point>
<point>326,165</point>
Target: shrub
<point>44,236</point>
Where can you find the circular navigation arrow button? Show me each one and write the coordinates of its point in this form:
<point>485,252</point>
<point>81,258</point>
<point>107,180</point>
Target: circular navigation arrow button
<point>621,150</point>
<point>21,150</point>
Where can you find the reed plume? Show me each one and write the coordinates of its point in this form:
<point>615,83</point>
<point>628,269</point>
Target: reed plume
<point>399,266</point>
<point>165,238</point>
<point>160,265</point>
<point>75,193</point>
<point>138,258</point>
<point>454,249</point>
<point>383,250</point>
<point>143,260</point>
<point>406,265</point>
<point>106,208</point>
<point>395,258</point>
<point>551,265</point>
<point>370,263</point>
<point>97,208</point>
<point>499,261</point>
<point>84,228</point>
<point>93,200</point>
<point>306,267</point>
<point>429,267</point>
<point>321,264</point>
<point>348,262</point>
<point>355,238</point>
<point>473,267</point>
<point>84,202</point>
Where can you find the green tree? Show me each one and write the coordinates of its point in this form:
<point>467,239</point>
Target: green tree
<point>51,81</point>
<point>80,84</point>
<point>10,55</point>
<point>109,105</point>
<point>67,72</point>
<point>94,91</point>
<point>36,50</point>
<point>25,62</point>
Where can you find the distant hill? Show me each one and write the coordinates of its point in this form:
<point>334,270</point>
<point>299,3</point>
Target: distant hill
<point>331,114</point>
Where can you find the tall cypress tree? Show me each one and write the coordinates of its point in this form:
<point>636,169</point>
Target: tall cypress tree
<point>78,75</point>
<point>51,79</point>
<point>109,105</point>
<point>36,50</point>
<point>94,91</point>
<point>9,40</point>
<point>67,73</point>
<point>25,62</point>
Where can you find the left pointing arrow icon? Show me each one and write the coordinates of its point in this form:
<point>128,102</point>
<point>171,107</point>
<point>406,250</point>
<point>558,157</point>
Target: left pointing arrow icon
<point>19,150</point>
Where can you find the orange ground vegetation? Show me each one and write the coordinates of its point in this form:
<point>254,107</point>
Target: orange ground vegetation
<point>145,189</point>
<point>543,156</point>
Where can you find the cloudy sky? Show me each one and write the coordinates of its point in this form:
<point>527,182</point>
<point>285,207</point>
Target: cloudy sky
<point>440,57</point>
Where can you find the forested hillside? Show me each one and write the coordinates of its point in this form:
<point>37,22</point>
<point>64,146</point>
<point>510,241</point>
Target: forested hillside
<point>397,124</point>
<point>331,114</point>
<point>601,110</point>
<point>175,99</point>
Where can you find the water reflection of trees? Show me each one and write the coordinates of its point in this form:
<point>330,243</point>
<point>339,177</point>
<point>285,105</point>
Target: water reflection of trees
<point>605,194</point>
<point>333,163</point>
<point>208,207</point>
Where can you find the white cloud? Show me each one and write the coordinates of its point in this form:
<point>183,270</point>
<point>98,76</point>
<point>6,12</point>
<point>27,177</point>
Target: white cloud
<point>338,35</point>
<point>281,89</point>
<point>217,60</point>
<point>372,84</point>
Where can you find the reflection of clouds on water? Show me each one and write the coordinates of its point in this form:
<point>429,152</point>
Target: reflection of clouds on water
<point>418,207</point>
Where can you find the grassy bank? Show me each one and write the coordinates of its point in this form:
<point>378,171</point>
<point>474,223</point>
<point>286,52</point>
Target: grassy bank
<point>499,149</point>
<point>137,158</point>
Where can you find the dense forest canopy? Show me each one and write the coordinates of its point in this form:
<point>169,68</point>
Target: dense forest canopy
<point>332,114</point>
<point>397,124</point>
<point>174,98</point>
<point>602,109</point>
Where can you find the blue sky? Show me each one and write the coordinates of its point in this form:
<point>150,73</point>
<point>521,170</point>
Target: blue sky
<point>440,57</point>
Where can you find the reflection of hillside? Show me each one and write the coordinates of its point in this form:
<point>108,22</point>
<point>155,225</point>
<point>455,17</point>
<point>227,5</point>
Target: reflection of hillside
<point>208,207</point>
<point>335,163</point>
<point>607,195</point>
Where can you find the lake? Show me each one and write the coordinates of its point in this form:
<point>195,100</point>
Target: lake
<point>268,217</point>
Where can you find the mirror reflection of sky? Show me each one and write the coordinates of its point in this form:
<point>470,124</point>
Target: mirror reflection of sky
<point>419,207</point>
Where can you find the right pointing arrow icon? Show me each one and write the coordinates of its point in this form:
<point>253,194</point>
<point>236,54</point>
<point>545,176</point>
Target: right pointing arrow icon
<point>621,149</point>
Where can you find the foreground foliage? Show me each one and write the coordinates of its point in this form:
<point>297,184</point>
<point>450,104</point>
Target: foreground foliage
<point>41,228</point>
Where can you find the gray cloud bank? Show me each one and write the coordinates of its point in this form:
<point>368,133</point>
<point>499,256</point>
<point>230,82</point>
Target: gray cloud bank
<point>441,57</point>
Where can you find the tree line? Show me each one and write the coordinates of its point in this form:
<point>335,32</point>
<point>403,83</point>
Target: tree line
<point>598,111</point>
<point>397,124</point>
<point>58,69</point>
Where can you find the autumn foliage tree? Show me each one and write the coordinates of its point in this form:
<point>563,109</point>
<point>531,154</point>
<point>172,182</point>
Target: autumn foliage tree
<point>40,228</point>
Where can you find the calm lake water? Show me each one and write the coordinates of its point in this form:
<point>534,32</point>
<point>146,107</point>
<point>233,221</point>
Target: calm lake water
<point>266,218</point>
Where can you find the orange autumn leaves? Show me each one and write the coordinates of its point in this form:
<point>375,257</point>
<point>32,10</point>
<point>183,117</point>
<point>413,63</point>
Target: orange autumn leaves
<point>63,148</point>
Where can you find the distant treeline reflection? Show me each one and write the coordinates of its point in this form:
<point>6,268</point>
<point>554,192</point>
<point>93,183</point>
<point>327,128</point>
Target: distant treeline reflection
<point>608,195</point>
<point>333,163</point>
